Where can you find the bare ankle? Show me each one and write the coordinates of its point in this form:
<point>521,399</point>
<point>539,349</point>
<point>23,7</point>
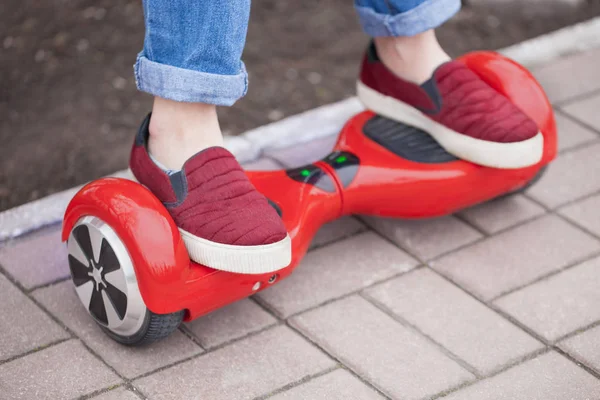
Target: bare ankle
<point>179,130</point>
<point>413,58</point>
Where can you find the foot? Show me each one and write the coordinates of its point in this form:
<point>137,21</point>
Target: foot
<point>464,114</point>
<point>224,221</point>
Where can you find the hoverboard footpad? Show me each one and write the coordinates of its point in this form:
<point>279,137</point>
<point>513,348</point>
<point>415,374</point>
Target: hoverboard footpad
<point>405,141</point>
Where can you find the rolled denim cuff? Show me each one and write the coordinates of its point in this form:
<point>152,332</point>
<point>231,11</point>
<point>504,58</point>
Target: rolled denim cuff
<point>426,16</point>
<point>187,85</point>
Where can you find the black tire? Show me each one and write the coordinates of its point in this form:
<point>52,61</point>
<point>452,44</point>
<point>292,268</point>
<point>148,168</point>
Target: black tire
<point>154,328</point>
<point>532,182</point>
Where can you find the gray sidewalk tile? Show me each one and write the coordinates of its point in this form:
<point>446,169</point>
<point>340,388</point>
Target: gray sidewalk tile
<point>570,76</point>
<point>243,370</point>
<point>584,347</point>
<point>117,394</point>
<point>585,213</point>
<point>23,325</point>
<point>572,134</point>
<point>303,153</point>
<point>426,238</point>
<point>62,301</point>
<point>572,175</point>
<point>336,230</point>
<point>560,304</point>
<point>452,318</point>
<point>336,270</point>
<point>336,385</point>
<point>36,259</point>
<point>547,377</point>
<point>503,213</point>
<point>395,359</point>
<point>64,371</point>
<point>517,257</point>
<point>231,322</point>
<point>586,110</point>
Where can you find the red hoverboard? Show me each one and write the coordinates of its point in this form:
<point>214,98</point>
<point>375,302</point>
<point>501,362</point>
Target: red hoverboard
<point>131,269</point>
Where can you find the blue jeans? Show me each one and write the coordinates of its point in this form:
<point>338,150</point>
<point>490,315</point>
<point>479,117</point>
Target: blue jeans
<point>192,48</point>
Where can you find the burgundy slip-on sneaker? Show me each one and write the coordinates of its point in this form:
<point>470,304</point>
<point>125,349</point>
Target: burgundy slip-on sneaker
<point>224,221</point>
<point>463,113</point>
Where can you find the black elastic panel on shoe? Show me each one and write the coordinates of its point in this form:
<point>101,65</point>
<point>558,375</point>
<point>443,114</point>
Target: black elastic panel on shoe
<point>406,141</point>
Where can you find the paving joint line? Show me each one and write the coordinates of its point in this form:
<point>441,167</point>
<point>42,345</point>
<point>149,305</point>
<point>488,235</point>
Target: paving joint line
<point>577,331</point>
<point>189,334</point>
<point>299,382</point>
<point>565,114</point>
<point>546,276</point>
<point>32,351</point>
<point>576,225</point>
<point>495,373</point>
<point>48,284</point>
<point>336,359</point>
<point>465,221</point>
<point>100,391</point>
<point>407,324</point>
<point>581,365</point>
<point>341,297</point>
<point>574,99</point>
<point>71,333</point>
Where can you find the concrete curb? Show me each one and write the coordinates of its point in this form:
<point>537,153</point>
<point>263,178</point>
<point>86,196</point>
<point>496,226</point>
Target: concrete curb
<point>307,126</point>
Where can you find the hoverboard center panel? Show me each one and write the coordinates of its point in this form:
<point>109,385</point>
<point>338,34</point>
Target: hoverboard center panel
<point>405,141</point>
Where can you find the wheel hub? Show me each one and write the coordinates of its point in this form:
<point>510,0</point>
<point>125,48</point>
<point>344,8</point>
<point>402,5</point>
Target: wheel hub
<point>104,277</point>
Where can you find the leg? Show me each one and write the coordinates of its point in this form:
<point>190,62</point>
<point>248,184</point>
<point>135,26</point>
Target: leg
<point>407,77</point>
<point>191,62</point>
<point>403,31</point>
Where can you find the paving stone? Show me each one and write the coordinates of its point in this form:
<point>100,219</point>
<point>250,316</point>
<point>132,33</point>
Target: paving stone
<point>427,238</point>
<point>570,177</point>
<point>336,270</point>
<point>36,259</point>
<point>23,325</point>
<point>560,304</point>
<point>502,213</point>
<point>117,394</point>
<point>585,347</point>
<point>395,359</point>
<point>336,385</point>
<point>517,257</point>
<point>303,153</point>
<point>229,323</point>
<point>62,301</point>
<point>572,134</point>
<point>262,164</point>
<point>336,230</point>
<point>570,76</point>
<point>243,370</point>
<point>64,371</point>
<point>585,110</point>
<point>585,213</point>
<point>547,377</point>
<point>454,319</point>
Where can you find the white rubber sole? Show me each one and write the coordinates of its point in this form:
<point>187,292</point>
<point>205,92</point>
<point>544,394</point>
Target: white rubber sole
<point>260,259</point>
<point>482,152</point>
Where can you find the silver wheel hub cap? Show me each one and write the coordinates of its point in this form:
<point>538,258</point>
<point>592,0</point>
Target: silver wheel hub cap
<point>104,278</point>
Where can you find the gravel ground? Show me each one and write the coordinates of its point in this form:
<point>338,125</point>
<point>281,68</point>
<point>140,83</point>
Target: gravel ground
<point>68,103</point>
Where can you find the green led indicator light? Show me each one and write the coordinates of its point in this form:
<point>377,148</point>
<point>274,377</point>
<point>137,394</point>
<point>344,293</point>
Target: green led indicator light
<point>305,172</point>
<point>341,159</point>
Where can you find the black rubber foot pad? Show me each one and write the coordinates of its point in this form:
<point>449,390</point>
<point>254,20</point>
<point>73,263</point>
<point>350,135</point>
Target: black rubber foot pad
<point>406,141</point>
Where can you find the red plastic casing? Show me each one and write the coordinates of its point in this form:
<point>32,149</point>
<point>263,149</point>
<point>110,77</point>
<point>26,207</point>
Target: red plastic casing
<point>384,185</point>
